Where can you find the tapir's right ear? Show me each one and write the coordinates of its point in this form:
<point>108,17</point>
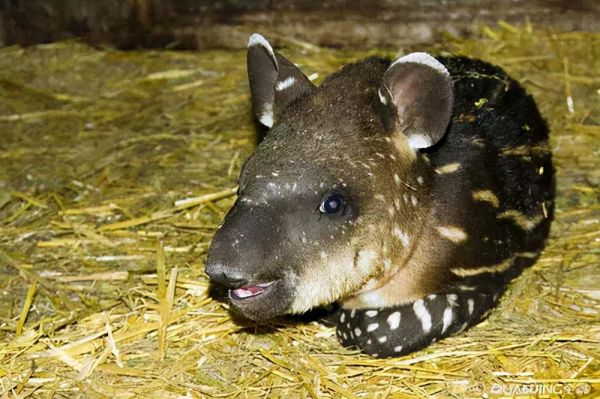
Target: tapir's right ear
<point>418,90</point>
<point>274,81</point>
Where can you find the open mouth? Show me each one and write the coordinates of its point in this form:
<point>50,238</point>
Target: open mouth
<point>250,291</point>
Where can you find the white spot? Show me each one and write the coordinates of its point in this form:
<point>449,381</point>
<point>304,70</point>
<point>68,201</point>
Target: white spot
<point>418,141</point>
<point>366,260</point>
<point>274,174</point>
<point>382,98</point>
<point>393,320</point>
<point>449,168</point>
<point>431,297</point>
<point>447,319</point>
<point>372,327</point>
<point>420,179</point>
<point>357,331</point>
<point>402,236</point>
<point>323,255</point>
<point>391,211</point>
<point>397,348</point>
<point>371,313</point>
<point>345,335</point>
<point>382,339</point>
<point>452,233</point>
<point>352,313</point>
<point>284,84</point>
<point>266,119</point>
<point>423,59</point>
<point>405,198</point>
<point>387,263</point>
<point>422,314</point>
<point>466,288</point>
<point>397,179</point>
<point>342,317</point>
<point>413,199</point>
<point>471,305</point>
<point>452,298</point>
<point>487,196</point>
<point>369,341</point>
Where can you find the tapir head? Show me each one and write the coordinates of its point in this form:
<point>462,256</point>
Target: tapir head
<point>319,211</point>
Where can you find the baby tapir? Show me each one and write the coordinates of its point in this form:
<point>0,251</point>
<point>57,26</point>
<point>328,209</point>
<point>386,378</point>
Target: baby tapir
<point>409,191</point>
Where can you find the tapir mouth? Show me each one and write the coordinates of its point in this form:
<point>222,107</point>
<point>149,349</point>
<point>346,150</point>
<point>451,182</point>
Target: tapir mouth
<point>251,291</point>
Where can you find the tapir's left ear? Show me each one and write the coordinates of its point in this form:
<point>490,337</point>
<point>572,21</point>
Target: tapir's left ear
<point>418,88</point>
<point>274,81</point>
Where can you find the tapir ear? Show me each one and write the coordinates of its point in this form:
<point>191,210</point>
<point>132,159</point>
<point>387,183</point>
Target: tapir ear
<point>418,90</point>
<point>274,81</point>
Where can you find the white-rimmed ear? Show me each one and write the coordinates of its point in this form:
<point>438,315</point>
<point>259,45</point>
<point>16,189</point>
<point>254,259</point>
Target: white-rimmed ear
<point>419,90</point>
<point>274,81</point>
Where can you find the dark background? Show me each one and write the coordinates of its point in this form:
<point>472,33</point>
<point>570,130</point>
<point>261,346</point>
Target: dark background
<point>202,24</point>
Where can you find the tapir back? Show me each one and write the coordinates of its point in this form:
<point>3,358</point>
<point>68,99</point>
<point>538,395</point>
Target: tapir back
<point>494,173</point>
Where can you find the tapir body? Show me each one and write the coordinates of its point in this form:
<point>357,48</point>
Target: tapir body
<point>410,192</point>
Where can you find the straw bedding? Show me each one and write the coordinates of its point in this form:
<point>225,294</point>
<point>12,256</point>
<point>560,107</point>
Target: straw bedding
<point>116,168</point>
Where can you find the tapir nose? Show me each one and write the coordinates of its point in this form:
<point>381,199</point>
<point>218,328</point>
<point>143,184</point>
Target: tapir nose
<point>220,275</point>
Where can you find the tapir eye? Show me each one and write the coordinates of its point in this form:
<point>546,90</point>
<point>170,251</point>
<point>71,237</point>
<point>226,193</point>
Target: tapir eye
<point>332,204</point>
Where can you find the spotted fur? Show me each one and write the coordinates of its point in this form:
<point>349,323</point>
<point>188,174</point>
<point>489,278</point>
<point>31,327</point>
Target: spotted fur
<point>448,186</point>
<point>398,330</point>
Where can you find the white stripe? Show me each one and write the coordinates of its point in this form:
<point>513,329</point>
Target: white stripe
<point>447,319</point>
<point>422,314</point>
<point>257,39</point>
<point>424,59</point>
<point>284,84</point>
<point>393,320</point>
<point>266,119</point>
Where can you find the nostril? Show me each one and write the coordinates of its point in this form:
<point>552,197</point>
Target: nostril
<point>229,280</point>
